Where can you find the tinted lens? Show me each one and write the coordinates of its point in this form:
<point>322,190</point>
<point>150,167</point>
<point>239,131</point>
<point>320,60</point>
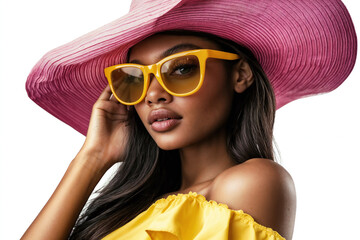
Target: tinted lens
<point>182,74</point>
<point>128,83</point>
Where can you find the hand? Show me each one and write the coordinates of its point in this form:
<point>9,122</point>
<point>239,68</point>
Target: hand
<point>107,134</point>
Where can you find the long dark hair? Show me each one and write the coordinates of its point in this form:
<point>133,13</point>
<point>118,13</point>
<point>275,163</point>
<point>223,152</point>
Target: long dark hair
<point>148,172</point>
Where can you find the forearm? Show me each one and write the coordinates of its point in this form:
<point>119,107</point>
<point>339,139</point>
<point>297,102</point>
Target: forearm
<point>57,218</point>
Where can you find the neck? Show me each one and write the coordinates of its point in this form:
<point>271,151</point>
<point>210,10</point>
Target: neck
<point>203,161</point>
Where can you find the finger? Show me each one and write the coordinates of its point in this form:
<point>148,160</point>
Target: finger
<point>113,99</point>
<point>111,106</point>
<point>106,93</point>
<point>117,107</point>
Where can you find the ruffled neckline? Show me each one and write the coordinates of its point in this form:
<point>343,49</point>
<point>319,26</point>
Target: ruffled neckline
<point>163,219</point>
<point>211,203</point>
<point>196,196</point>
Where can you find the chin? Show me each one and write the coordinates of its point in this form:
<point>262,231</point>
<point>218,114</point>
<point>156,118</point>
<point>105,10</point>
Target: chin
<point>168,146</point>
<point>169,143</point>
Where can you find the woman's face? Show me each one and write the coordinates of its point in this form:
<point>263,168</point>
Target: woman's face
<point>179,122</point>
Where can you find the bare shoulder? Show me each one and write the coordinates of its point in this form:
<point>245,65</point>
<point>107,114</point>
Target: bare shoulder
<point>261,188</point>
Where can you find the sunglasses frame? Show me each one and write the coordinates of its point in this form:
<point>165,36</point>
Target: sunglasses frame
<point>201,54</point>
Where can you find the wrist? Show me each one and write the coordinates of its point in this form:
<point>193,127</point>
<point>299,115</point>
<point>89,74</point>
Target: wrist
<point>91,162</point>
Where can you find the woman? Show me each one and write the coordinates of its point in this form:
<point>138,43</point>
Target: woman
<point>181,144</point>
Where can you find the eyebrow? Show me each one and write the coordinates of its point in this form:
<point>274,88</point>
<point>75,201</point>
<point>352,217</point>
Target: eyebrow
<point>175,49</point>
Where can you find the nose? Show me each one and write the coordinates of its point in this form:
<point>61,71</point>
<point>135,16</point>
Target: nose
<point>156,93</point>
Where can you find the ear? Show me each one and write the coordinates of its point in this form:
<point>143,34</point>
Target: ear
<point>242,76</point>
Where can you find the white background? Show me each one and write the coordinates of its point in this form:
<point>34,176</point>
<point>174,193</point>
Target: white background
<point>318,137</point>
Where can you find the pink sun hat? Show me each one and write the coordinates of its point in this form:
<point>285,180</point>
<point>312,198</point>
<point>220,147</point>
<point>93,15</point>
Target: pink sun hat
<point>305,47</point>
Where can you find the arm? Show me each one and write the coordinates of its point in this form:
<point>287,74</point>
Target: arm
<point>261,188</point>
<point>56,219</point>
<point>104,146</point>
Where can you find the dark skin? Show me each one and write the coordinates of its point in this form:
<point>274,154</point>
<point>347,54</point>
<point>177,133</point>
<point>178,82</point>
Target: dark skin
<point>259,187</point>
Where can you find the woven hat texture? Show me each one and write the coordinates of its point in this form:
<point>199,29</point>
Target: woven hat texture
<point>305,47</point>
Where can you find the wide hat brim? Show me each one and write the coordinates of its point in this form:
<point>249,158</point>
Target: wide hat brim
<point>305,48</point>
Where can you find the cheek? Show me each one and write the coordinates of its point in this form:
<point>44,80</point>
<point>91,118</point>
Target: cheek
<point>142,112</point>
<point>217,91</point>
<point>209,108</point>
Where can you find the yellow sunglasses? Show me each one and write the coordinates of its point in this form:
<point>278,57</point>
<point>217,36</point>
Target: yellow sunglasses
<point>180,74</point>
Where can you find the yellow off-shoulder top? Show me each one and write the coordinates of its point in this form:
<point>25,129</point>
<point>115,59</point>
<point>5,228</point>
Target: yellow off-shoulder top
<point>191,216</point>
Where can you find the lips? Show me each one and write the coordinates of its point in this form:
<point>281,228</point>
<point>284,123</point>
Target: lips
<point>163,119</point>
